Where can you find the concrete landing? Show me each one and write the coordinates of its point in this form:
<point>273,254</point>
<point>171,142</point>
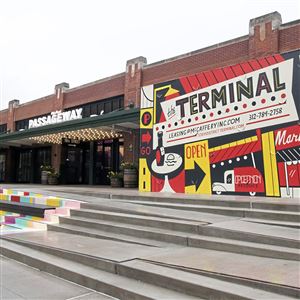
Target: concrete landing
<point>102,248</point>
<point>275,271</point>
<point>19,281</point>
<point>165,212</point>
<point>260,229</point>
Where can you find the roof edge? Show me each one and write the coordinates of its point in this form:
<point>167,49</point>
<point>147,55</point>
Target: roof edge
<point>202,50</point>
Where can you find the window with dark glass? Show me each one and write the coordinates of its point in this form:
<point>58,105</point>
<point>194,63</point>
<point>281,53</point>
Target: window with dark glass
<point>3,128</point>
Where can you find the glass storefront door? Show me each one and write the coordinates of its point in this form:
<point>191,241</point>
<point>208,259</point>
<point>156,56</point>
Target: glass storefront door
<point>24,169</point>
<point>108,155</point>
<point>75,164</point>
<point>79,163</point>
<point>42,157</point>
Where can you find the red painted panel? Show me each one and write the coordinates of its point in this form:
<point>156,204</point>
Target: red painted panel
<point>246,67</point>
<point>287,137</point>
<point>293,175</point>
<point>281,174</point>
<point>202,80</point>
<point>263,62</point>
<point>238,71</point>
<point>228,72</point>
<point>278,58</point>
<point>15,198</point>
<point>271,60</point>
<point>177,183</point>
<point>210,78</point>
<point>156,184</point>
<point>186,85</point>
<point>219,74</point>
<point>254,64</point>
<point>194,82</point>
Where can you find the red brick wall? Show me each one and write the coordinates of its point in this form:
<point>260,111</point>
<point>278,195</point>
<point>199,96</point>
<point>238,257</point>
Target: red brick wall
<point>222,56</point>
<point>3,116</point>
<point>289,38</point>
<point>35,108</point>
<point>98,91</point>
<point>283,40</point>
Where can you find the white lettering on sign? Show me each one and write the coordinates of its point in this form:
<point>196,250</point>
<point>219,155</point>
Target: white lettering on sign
<point>56,117</point>
<point>254,100</point>
<point>283,139</point>
<point>247,179</point>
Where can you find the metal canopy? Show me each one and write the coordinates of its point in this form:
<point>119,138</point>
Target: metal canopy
<point>119,120</point>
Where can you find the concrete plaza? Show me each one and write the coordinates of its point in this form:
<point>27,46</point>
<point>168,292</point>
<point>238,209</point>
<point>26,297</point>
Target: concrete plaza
<point>160,246</point>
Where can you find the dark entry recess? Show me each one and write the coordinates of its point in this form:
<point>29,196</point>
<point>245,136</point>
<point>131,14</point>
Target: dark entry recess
<point>29,162</point>
<point>90,162</point>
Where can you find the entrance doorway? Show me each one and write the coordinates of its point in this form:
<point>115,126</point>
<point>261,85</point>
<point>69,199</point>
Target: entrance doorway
<point>29,162</point>
<point>76,163</point>
<point>24,169</point>
<point>104,162</point>
<point>90,162</point>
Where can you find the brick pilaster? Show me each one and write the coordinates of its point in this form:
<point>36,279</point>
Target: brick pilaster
<point>264,35</point>
<point>133,80</point>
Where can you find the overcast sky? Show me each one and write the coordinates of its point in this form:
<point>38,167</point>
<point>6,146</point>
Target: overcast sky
<point>43,43</point>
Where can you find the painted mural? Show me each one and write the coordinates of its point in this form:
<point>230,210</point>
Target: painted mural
<point>231,130</point>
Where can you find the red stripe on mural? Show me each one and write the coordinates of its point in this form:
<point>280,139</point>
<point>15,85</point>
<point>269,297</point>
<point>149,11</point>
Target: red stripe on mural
<point>186,85</point>
<point>271,60</point>
<point>238,71</point>
<point>246,67</point>
<point>254,65</point>
<point>263,62</point>
<point>219,74</point>
<point>228,72</point>
<point>202,80</point>
<point>210,78</point>
<point>278,58</point>
<point>218,156</point>
<point>15,198</point>
<point>194,82</point>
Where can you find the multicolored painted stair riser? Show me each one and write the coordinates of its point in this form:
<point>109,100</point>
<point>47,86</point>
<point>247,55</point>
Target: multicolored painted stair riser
<point>9,220</point>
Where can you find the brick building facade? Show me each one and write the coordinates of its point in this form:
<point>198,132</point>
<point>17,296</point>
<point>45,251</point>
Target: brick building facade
<point>267,36</point>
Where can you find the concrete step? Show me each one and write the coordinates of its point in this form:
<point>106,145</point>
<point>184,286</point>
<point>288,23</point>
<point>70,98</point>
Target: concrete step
<point>152,233</point>
<point>200,200</point>
<point>88,260</point>
<point>162,280</point>
<point>279,206</point>
<point>246,235</point>
<point>245,281</point>
<point>220,201</point>
<point>159,222</point>
<point>254,232</point>
<point>108,283</point>
<point>287,224</point>
<point>152,211</point>
<point>189,239</point>
<point>101,234</point>
<point>55,244</point>
<point>194,284</point>
<point>229,211</point>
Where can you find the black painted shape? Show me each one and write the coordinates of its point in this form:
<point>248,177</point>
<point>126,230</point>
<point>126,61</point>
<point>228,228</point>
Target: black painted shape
<point>194,176</point>
<point>36,210</point>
